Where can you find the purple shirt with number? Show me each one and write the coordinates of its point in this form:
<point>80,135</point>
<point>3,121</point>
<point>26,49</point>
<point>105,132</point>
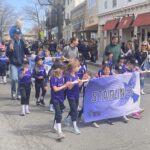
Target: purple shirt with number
<point>72,94</point>
<point>60,95</point>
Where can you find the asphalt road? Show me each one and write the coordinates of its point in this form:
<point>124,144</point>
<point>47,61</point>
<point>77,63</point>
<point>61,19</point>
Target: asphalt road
<point>34,132</point>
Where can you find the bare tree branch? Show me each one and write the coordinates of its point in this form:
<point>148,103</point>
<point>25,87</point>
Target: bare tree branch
<point>34,12</point>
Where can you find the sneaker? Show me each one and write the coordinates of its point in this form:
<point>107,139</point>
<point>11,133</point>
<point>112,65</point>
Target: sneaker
<point>42,102</point>
<point>22,114</point>
<point>60,136</point>
<point>76,131</point>
<point>95,125</point>
<point>13,96</point>
<point>51,109</point>
<point>135,115</point>
<point>142,92</point>
<point>19,97</point>
<point>4,80</point>
<point>125,119</point>
<point>27,112</point>
<point>110,122</point>
<point>37,103</point>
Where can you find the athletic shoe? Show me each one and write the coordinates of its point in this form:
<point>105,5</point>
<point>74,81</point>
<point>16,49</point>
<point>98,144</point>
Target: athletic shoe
<point>142,92</point>
<point>60,136</point>
<point>19,97</point>
<point>27,112</point>
<point>110,122</point>
<point>135,115</point>
<point>95,125</point>
<point>42,102</point>
<point>37,103</point>
<point>13,96</point>
<point>22,114</point>
<point>51,109</point>
<point>76,131</point>
<point>125,119</point>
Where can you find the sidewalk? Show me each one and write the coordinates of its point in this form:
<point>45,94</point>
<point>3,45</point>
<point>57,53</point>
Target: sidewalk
<point>97,64</point>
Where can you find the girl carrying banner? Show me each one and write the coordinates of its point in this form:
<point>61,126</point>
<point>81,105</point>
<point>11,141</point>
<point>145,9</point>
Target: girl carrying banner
<point>73,92</point>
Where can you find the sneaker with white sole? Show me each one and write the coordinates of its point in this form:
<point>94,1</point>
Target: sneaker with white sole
<point>142,92</point>
<point>125,119</point>
<point>19,97</point>
<point>95,125</point>
<point>76,131</point>
<point>22,114</point>
<point>13,96</point>
<point>51,109</point>
<point>60,136</point>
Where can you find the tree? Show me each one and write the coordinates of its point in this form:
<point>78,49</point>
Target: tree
<point>7,17</point>
<point>34,13</point>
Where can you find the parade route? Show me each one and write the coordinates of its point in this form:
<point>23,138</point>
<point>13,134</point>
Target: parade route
<point>34,131</point>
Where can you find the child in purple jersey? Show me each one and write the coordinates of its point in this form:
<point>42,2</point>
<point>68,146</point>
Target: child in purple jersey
<point>25,87</point>
<point>58,86</point>
<point>39,73</point>
<point>73,92</point>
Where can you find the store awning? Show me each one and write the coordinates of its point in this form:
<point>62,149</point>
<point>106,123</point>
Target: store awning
<point>125,22</point>
<point>142,20</point>
<point>111,24</point>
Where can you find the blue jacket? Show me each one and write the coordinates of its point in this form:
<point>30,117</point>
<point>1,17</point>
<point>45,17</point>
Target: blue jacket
<point>12,31</point>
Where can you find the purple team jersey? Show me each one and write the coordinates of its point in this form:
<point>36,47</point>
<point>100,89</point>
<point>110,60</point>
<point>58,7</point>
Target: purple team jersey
<point>39,71</point>
<point>72,94</point>
<point>57,96</point>
<point>26,78</point>
<point>81,71</point>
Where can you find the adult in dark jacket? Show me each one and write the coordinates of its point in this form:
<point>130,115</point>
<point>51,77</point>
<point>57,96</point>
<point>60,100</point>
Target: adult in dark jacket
<point>16,52</point>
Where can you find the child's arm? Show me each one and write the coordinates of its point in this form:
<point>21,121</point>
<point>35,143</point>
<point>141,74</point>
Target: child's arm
<point>57,89</point>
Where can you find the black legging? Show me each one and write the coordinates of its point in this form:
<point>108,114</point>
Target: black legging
<point>25,90</point>
<point>73,109</point>
<point>39,84</point>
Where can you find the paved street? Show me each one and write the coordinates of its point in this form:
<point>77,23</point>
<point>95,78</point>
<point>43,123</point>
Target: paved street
<point>34,131</point>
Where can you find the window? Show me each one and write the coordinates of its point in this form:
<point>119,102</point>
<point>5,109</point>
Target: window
<point>114,3</point>
<point>105,4</point>
<point>91,3</point>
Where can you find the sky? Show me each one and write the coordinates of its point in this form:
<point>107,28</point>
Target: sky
<point>19,4</point>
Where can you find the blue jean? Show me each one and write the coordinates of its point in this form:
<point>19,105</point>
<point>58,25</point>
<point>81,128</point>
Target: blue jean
<point>14,71</point>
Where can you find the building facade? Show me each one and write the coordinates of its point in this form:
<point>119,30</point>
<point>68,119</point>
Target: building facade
<point>129,19</point>
<point>67,27</point>
<point>91,18</point>
<point>77,21</point>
